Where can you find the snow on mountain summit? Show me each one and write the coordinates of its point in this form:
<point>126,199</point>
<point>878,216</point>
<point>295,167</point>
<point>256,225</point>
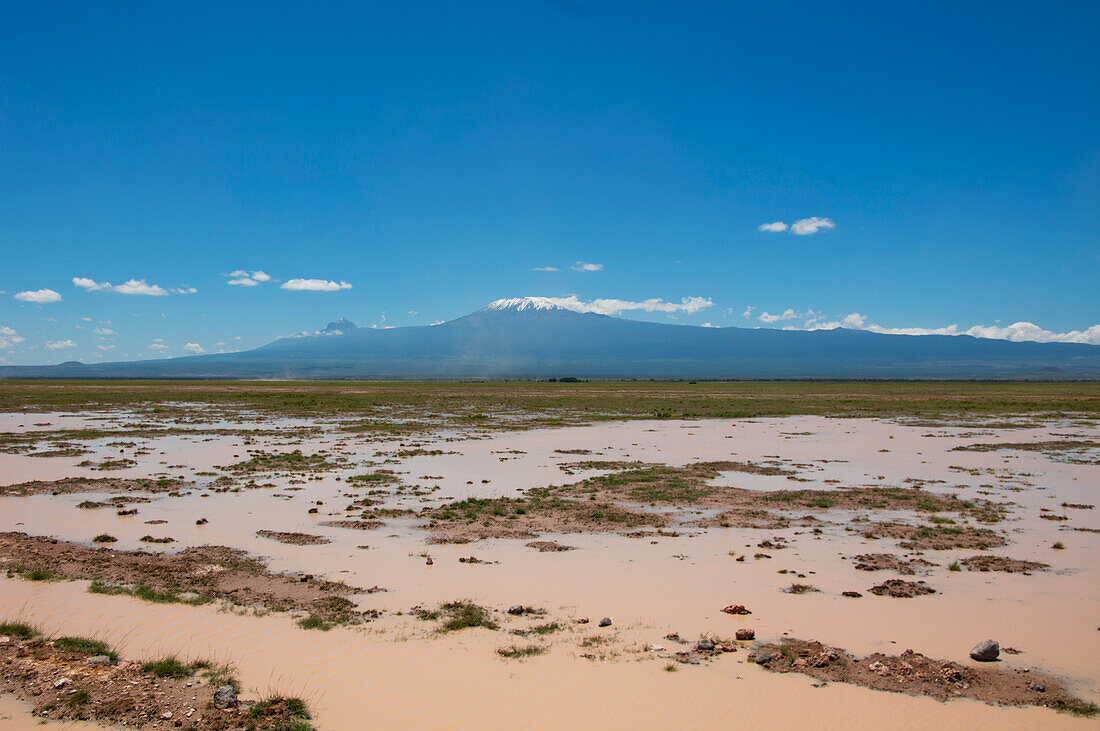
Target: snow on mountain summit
<point>519,304</point>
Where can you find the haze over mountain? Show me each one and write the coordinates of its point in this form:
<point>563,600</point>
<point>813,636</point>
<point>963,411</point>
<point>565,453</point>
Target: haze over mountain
<point>532,337</point>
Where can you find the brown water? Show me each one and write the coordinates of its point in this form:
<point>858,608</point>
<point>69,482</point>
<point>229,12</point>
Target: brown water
<point>396,674</point>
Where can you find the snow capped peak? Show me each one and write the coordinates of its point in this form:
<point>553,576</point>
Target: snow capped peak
<point>519,304</point>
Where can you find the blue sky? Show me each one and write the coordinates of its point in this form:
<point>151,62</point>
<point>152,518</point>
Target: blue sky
<point>435,156</point>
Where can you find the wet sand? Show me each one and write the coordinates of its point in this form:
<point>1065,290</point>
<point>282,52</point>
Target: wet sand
<point>397,672</point>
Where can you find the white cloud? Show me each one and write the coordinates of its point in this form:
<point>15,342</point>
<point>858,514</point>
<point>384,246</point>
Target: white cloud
<point>90,285</point>
<point>314,285</point>
<point>130,286</point>
<point>545,269</point>
<point>748,312</point>
<point>1016,332</point>
<point>194,348</point>
<point>104,331</point>
<point>9,337</point>
<point>807,226</point>
<point>776,227</point>
<point>687,305</point>
<point>60,344</point>
<point>584,266</point>
<point>242,278</point>
<point>1020,331</point>
<point>140,286</point>
<point>106,347</point>
<point>788,314</point>
<point>38,296</point>
<point>185,290</point>
<point>158,344</point>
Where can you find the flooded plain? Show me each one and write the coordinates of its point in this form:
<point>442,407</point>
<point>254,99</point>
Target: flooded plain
<point>413,523</point>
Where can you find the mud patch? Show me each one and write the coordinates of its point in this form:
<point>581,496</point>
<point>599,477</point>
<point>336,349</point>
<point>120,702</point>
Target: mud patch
<point>207,572</point>
<point>901,589</point>
<point>62,685</point>
<point>936,537</point>
<point>915,674</point>
<point>293,538</point>
<point>71,485</point>
<point>1002,563</point>
<point>889,562</point>
<point>527,517</point>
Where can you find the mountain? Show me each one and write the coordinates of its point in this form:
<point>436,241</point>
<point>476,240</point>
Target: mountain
<point>531,337</point>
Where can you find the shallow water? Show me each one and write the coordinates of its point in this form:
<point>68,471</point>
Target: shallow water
<point>394,673</point>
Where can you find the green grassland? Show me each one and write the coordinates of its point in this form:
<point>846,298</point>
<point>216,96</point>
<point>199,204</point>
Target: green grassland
<point>555,403</point>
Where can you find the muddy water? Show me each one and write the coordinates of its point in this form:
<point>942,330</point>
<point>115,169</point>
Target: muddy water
<point>394,673</point>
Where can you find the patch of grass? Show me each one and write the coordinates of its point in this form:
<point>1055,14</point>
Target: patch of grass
<point>293,707</point>
<point>671,668</point>
<point>460,615</point>
<point>954,566</point>
<point>801,589</point>
<point>79,698</point>
<point>1077,707</point>
<point>378,477</point>
<point>314,622</point>
<point>546,629</point>
<point>18,630</point>
<point>145,593</point>
<point>1059,546</point>
<point>85,646</point>
<point>38,575</point>
<point>104,538</point>
<point>217,674</point>
<point>169,666</point>
<point>514,653</point>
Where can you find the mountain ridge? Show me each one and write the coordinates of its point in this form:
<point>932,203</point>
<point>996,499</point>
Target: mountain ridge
<point>536,337</point>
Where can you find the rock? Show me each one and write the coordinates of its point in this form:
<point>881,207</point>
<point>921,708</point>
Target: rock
<point>99,660</point>
<point>166,716</point>
<point>704,645</point>
<point>605,622</point>
<point>736,609</point>
<point>987,651</point>
<point>745,634</point>
<point>763,658</point>
<point>582,620</point>
<point>851,594</point>
<point>515,609</point>
<point>225,697</point>
<point>61,683</point>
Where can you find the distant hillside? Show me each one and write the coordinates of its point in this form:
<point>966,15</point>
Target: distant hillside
<point>531,337</point>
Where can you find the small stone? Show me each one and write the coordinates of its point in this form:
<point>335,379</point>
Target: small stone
<point>745,634</point>
<point>704,645</point>
<point>851,594</point>
<point>736,609</point>
<point>61,683</point>
<point>167,715</point>
<point>515,609</point>
<point>99,660</point>
<point>987,651</point>
<point>605,622</point>
<point>582,620</point>
<point>225,697</point>
<point>763,659</point>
